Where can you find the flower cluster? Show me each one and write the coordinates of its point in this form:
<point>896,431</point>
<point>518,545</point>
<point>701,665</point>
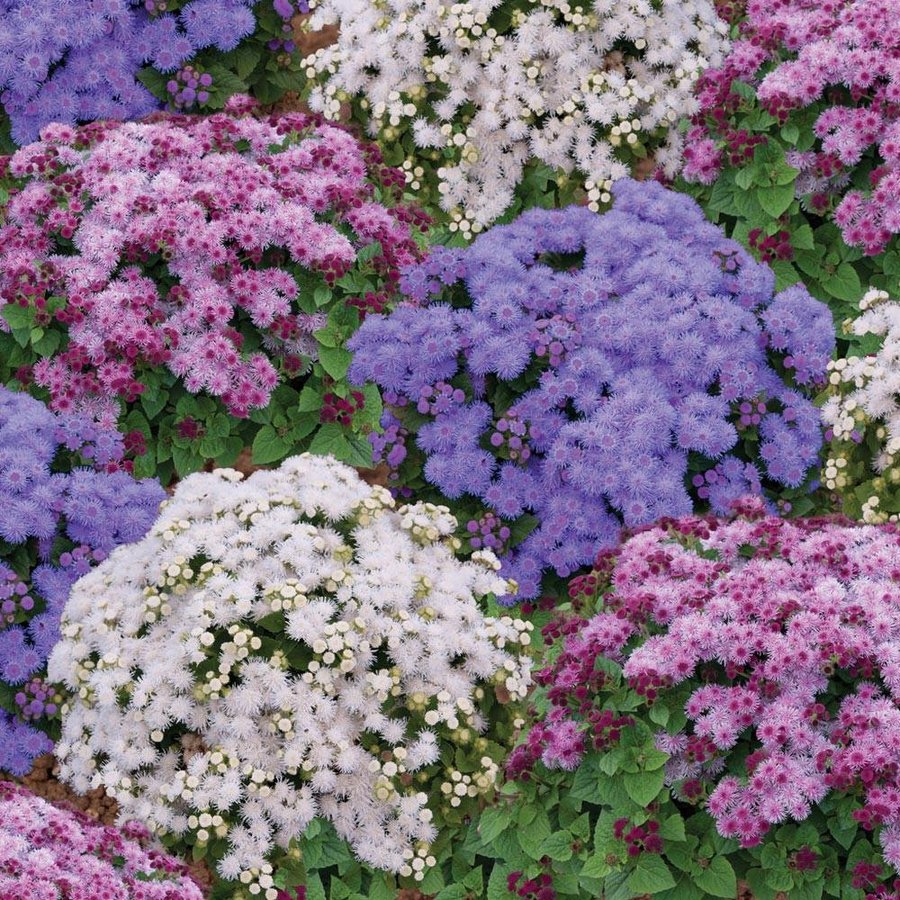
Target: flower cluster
<point>863,414</point>
<point>474,97</point>
<point>46,852</point>
<point>778,639</point>
<point>828,75</point>
<point>70,62</point>
<point>285,647</point>
<point>59,518</point>
<point>141,264</point>
<point>593,370</point>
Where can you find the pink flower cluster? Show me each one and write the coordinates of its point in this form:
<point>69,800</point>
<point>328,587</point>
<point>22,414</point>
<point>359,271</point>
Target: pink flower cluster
<point>192,244</point>
<point>47,852</point>
<point>787,633</point>
<point>843,57</point>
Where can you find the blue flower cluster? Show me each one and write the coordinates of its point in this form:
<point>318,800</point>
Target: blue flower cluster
<point>65,505</point>
<point>70,60</point>
<point>597,370</point>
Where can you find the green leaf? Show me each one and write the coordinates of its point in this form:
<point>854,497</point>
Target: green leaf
<point>718,878</point>
<point>643,787</point>
<point>246,58</point>
<point>269,446</point>
<point>330,440</point>
<point>212,446</point>
<point>48,344</point>
<point>493,823</point>
<point>452,892</point>
<point>335,361</point>
<point>532,836</point>
<point>776,198</point>
<point>558,846</point>
<point>672,829</point>
<point>596,867</point>
<point>315,890</point>
<point>369,252</point>
<point>843,283</point>
<point>474,880</point>
<point>790,133</point>
<point>154,401</point>
<point>18,316</point>
<point>802,237</point>
<point>496,887</point>
<point>651,875</point>
<point>310,399</point>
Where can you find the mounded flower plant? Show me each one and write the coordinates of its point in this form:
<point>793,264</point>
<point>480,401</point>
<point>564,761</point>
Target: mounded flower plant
<point>191,281</point>
<point>721,698</point>
<point>493,107</point>
<point>66,503</point>
<point>286,654</point>
<point>49,852</point>
<point>74,62</point>
<point>862,413</point>
<point>796,148</point>
<point>572,372</point>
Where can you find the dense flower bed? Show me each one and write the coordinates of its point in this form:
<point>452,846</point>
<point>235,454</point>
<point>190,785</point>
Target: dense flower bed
<point>799,129</point>
<point>166,277</point>
<point>287,647</point>
<point>64,505</point>
<point>487,105</point>
<point>863,415</point>
<point>46,852</point>
<point>76,62</point>
<point>569,395</point>
<point>737,674</point>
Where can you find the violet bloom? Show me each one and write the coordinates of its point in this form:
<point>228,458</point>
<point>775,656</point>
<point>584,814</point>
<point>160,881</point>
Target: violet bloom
<point>592,371</point>
<point>60,517</point>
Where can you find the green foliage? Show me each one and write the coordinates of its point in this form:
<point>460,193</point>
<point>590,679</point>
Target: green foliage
<point>759,198</point>
<point>251,68</point>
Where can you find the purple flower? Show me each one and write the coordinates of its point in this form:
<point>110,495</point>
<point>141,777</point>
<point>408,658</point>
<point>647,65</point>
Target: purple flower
<point>614,379</point>
<point>60,518</point>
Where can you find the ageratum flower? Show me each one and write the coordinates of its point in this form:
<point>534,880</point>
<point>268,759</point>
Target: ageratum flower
<point>71,61</point>
<point>65,505</point>
<point>197,256</point>
<point>483,102</point>
<point>862,412</point>
<point>591,371</point>
<point>831,73</point>
<point>779,641</point>
<point>47,852</point>
<point>319,652</point>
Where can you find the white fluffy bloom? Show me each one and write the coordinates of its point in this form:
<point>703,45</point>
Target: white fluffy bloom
<point>552,84</point>
<point>864,401</point>
<point>210,662</point>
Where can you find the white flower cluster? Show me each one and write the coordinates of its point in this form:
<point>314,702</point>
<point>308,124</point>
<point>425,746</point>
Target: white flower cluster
<point>485,86</point>
<point>279,648</point>
<point>865,392</point>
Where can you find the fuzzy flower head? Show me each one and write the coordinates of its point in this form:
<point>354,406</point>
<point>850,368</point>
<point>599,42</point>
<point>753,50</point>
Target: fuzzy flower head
<point>66,504</point>
<point>482,105</point>
<point>75,62</point>
<point>572,372</point>
<point>831,72</point>
<point>195,257</point>
<point>47,852</point>
<point>862,412</point>
<point>778,640</point>
<point>285,647</point>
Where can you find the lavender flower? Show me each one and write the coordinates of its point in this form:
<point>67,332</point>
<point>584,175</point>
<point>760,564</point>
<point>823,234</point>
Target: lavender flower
<point>597,370</point>
<point>47,852</point>
<point>66,504</point>
<point>73,61</point>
